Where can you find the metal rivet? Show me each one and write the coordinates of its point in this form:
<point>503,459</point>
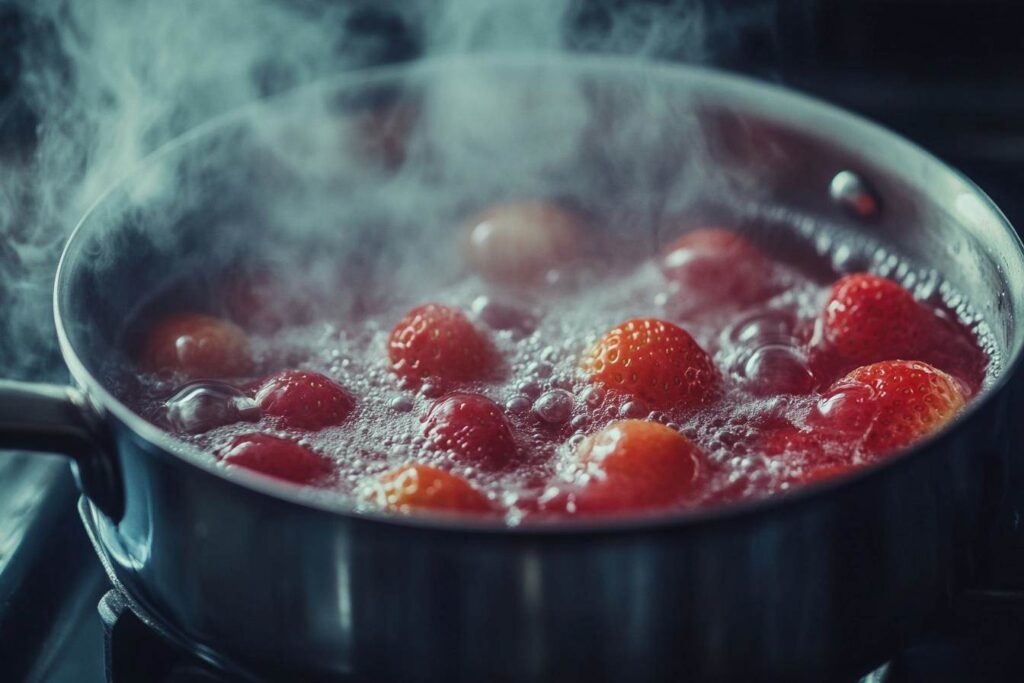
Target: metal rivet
<point>853,193</point>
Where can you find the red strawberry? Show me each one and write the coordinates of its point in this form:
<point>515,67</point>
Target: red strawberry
<point>276,457</point>
<point>717,265</point>
<point>654,361</point>
<point>196,346</point>
<point>869,318</point>
<point>894,403</point>
<point>418,487</point>
<point>519,243</point>
<point>472,427</point>
<point>304,400</point>
<point>636,464</point>
<point>439,343</point>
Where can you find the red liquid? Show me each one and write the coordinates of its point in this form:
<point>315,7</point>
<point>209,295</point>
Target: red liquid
<point>767,429</point>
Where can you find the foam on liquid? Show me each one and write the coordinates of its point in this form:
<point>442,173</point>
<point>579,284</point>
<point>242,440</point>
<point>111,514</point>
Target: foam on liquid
<point>759,350</point>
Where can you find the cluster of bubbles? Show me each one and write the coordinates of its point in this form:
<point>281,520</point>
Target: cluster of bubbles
<point>760,350</point>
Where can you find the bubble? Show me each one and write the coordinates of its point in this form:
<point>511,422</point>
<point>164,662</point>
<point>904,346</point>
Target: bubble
<point>591,396</point>
<point>575,440</point>
<point>541,370</point>
<point>632,410</point>
<point>402,404</point>
<point>776,369</point>
<point>518,404</point>
<point>430,390</point>
<point>554,406</point>
<point>766,326</point>
<point>846,405</point>
<point>531,388</point>
<point>503,316</point>
<point>202,406</point>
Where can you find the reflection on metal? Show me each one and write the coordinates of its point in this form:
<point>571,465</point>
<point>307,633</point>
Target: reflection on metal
<point>853,194</point>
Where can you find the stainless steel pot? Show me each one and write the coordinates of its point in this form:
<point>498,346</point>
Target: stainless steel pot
<point>823,581</point>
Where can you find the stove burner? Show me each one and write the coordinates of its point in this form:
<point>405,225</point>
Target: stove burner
<point>137,649</point>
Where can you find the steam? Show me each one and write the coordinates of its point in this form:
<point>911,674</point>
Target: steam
<point>109,81</point>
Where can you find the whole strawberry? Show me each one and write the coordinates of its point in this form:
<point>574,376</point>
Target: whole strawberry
<point>636,464</point>
<point>304,400</point>
<point>717,265</point>
<point>435,342</point>
<point>194,345</point>
<point>276,457</point>
<point>893,404</point>
<point>473,428</point>
<point>654,361</point>
<point>419,487</point>
<point>869,318</point>
<point>518,243</point>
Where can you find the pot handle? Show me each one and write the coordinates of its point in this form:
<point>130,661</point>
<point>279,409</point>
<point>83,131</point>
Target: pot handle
<point>58,419</point>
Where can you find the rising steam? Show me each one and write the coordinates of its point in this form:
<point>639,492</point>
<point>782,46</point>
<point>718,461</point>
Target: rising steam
<point>109,81</point>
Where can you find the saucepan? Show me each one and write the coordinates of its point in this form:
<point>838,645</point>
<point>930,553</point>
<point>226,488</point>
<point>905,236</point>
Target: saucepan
<point>822,581</point>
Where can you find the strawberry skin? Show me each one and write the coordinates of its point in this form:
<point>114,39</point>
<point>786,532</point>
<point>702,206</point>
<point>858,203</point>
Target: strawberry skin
<point>304,400</point>
<point>635,464</point>
<point>196,346</point>
<point>419,487</point>
<point>869,318</point>
<point>654,361</point>
<point>898,403</point>
<point>719,265</point>
<point>439,343</point>
<point>518,243</point>
<point>473,428</point>
<point>276,457</point>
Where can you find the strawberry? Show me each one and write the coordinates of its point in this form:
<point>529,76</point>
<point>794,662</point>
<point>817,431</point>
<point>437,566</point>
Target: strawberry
<point>473,428</point>
<point>276,457</point>
<point>194,345</point>
<point>304,400</point>
<point>717,265</point>
<point>636,464</point>
<point>654,361</point>
<point>425,488</point>
<point>439,343</point>
<point>894,403</point>
<point>518,243</point>
<point>869,318</point>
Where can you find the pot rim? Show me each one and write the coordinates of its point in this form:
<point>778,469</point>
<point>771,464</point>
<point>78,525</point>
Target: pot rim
<point>335,504</point>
